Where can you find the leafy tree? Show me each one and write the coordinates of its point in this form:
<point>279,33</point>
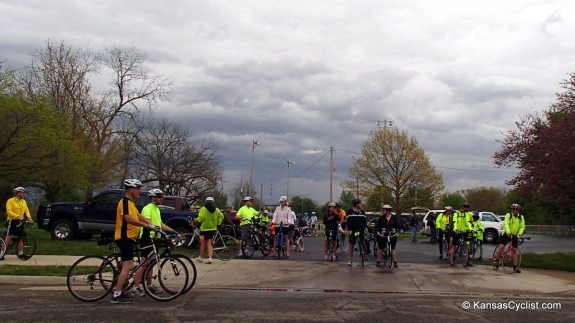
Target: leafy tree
<point>486,199</point>
<point>345,199</point>
<point>450,199</point>
<point>542,148</point>
<point>393,161</point>
<point>303,204</point>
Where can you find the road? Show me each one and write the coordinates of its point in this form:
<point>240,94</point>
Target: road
<point>427,253</point>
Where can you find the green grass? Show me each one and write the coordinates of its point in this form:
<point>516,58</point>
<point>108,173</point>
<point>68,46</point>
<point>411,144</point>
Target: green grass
<point>564,261</point>
<point>22,270</point>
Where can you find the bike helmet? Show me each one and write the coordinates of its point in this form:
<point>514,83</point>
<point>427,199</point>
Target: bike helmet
<point>209,200</point>
<point>337,204</point>
<point>155,192</point>
<point>516,206</point>
<point>464,204</point>
<point>132,182</point>
<point>386,207</point>
<point>19,189</point>
<point>283,198</point>
<point>331,204</point>
<point>248,198</point>
<point>355,202</point>
<point>448,208</point>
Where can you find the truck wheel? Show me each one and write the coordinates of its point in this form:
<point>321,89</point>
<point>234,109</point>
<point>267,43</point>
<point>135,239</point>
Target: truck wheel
<point>62,229</point>
<point>490,236</point>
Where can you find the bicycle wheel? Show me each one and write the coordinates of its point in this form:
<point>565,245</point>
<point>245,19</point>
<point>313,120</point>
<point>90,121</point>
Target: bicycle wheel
<point>300,244</point>
<point>91,278</point>
<point>192,243</point>
<point>248,246</point>
<point>476,250</point>
<point>342,243</point>
<point>29,246</point>
<point>388,255</point>
<point>507,261</point>
<point>3,247</point>
<point>226,247</point>
<point>361,253</point>
<point>445,247</point>
<point>463,254</point>
<point>265,245</point>
<point>169,278</point>
<point>191,267</point>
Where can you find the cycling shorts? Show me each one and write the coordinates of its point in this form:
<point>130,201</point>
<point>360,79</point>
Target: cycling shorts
<point>353,237</point>
<point>382,241</point>
<point>15,228</point>
<point>207,235</point>
<point>504,239</point>
<point>126,248</point>
<point>331,234</point>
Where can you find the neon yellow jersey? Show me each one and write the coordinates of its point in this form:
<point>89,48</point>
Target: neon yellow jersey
<point>246,213</point>
<point>479,229</point>
<point>152,213</point>
<point>16,208</point>
<point>209,220</point>
<point>125,230</point>
<point>514,224</point>
<point>461,221</point>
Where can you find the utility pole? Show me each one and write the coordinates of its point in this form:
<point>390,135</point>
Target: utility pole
<point>331,173</point>
<point>251,188</point>
<point>289,162</point>
<point>385,123</point>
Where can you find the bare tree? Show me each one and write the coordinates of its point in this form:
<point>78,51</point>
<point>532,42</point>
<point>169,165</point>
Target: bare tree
<point>166,157</point>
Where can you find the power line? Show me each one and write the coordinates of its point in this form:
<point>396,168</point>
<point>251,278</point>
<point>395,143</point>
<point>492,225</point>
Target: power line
<point>302,172</point>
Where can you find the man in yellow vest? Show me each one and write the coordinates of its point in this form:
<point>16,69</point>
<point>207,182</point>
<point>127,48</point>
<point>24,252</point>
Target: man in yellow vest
<point>16,212</point>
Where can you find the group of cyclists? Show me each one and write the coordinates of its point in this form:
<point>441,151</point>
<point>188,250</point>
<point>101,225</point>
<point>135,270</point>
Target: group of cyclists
<point>463,224</point>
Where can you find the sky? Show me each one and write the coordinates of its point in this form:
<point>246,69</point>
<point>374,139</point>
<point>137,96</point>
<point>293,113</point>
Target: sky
<point>301,76</point>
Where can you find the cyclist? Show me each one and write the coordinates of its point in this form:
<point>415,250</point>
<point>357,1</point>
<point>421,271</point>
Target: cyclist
<point>461,225</point>
<point>356,223</point>
<point>313,222</point>
<point>16,211</point>
<point>330,220</point>
<point>152,213</point>
<point>245,214</point>
<point>281,216</point>
<point>478,229</point>
<point>386,223</point>
<point>513,228</point>
<point>209,217</point>
<point>444,224</point>
<point>128,223</point>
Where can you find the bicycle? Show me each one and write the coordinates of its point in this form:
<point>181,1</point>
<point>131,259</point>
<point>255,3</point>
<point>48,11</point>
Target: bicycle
<point>280,243</point>
<point>360,250</point>
<point>387,256</point>
<point>475,248</point>
<point>28,243</point>
<point>256,240</point>
<point>299,234</point>
<point>224,245</point>
<point>170,251</point>
<point>444,243</point>
<point>341,241</point>
<point>462,250</point>
<point>92,278</point>
<point>506,261</point>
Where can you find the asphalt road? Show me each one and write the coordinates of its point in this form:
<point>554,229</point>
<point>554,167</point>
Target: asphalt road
<point>425,252</point>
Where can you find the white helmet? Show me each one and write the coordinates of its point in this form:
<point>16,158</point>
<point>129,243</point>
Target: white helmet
<point>283,198</point>
<point>248,198</point>
<point>154,192</point>
<point>386,207</point>
<point>209,200</point>
<point>19,189</point>
<point>132,182</point>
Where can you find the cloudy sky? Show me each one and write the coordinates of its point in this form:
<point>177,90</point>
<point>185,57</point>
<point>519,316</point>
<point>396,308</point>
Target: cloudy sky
<point>300,76</point>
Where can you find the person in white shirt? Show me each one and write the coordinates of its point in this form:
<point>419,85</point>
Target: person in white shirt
<point>281,216</point>
<point>313,223</point>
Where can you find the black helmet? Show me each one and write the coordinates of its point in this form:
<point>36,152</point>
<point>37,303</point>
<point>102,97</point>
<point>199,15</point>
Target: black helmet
<point>355,202</point>
<point>337,204</point>
<point>464,204</point>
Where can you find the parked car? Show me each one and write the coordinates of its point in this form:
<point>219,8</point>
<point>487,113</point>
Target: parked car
<point>67,220</point>
<point>492,223</point>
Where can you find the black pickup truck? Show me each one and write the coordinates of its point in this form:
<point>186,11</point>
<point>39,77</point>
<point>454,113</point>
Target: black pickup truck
<point>67,220</point>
